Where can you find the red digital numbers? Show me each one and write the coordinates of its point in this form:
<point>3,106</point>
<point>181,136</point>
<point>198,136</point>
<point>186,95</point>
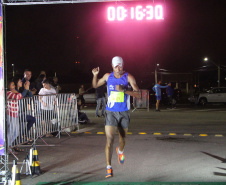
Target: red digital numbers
<point>149,12</point>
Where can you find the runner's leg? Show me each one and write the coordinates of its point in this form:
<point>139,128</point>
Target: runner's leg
<point>110,132</point>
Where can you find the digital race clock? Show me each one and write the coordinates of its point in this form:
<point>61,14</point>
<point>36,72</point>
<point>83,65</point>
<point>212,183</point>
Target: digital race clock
<point>138,12</point>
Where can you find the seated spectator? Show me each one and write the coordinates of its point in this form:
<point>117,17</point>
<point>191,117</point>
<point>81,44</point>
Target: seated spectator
<point>13,97</point>
<point>56,85</point>
<point>47,103</point>
<point>82,117</point>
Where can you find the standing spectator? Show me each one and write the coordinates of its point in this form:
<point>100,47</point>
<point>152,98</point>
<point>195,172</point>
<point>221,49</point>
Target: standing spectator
<point>81,92</point>
<point>27,77</point>
<point>26,92</point>
<point>56,85</point>
<point>38,82</point>
<point>170,92</point>
<point>47,104</point>
<point>24,110</point>
<point>157,90</point>
<point>100,95</point>
<point>12,114</point>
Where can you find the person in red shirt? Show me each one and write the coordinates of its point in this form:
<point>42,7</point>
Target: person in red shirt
<point>12,113</point>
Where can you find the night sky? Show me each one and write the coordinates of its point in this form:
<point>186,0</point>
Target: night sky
<point>54,37</point>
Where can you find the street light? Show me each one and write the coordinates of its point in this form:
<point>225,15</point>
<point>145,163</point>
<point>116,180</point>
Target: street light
<point>156,75</point>
<point>13,70</point>
<point>218,69</point>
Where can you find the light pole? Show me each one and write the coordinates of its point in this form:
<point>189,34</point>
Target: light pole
<point>13,70</point>
<point>156,74</point>
<point>218,69</point>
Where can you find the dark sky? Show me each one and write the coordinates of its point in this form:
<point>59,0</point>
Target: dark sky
<point>45,37</point>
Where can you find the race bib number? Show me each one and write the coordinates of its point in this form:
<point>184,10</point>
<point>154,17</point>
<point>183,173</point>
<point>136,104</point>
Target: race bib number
<point>117,96</point>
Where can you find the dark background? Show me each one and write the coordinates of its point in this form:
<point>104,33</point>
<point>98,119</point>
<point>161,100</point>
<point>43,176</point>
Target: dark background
<point>54,37</point>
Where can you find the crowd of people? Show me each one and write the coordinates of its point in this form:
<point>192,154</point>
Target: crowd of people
<point>19,88</point>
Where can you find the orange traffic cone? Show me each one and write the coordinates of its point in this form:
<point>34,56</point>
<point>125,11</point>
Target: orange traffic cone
<point>35,165</point>
<point>15,174</point>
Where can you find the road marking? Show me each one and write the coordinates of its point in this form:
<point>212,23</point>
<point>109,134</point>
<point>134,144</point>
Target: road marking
<point>187,134</point>
<point>157,133</point>
<point>218,135</point>
<point>203,135</point>
<point>172,134</point>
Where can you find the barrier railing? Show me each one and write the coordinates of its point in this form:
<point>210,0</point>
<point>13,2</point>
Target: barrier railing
<point>143,102</point>
<point>30,118</point>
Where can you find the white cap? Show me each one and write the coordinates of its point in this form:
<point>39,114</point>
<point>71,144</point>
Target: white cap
<point>117,61</point>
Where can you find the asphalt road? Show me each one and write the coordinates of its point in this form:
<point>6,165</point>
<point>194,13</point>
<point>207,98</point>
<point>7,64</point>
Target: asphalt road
<point>186,144</point>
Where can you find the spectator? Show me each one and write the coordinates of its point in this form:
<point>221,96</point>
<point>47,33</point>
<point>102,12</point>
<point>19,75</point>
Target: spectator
<point>26,92</point>
<point>47,103</point>
<point>27,77</point>
<point>23,110</point>
<point>157,90</point>
<point>170,92</point>
<point>82,117</point>
<point>56,85</point>
<point>81,93</point>
<point>12,114</point>
<point>38,82</point>
<point>100,95</point>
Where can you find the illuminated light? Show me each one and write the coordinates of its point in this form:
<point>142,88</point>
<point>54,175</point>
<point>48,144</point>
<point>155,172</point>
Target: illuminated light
<point>100,132</point>
<point>149,12</point>
<point>139,13</point>
<point>142,133</point>
<point>111,13</point>
<point>121,13</point>
<point>129,133</point>
<point>158,12</point>
<point>132,13</point>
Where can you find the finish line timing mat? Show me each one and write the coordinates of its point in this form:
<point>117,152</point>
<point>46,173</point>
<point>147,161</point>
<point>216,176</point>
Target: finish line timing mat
<point>132,183</point>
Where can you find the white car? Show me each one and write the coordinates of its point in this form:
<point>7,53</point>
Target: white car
<point>215,95</point>
<point>90,96</point>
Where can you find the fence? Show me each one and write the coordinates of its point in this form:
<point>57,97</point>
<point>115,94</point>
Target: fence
<point>30,118</point>
<point>143,102</point>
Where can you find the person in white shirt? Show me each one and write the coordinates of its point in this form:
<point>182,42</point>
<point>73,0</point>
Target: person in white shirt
<point>48,100</point>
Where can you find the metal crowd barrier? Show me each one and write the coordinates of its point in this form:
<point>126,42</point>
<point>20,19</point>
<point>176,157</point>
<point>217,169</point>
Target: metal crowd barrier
<point>30,118</point>
<point>143,102</point>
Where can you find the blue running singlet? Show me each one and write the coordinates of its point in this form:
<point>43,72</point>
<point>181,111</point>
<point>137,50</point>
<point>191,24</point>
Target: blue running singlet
<point>117,101</point>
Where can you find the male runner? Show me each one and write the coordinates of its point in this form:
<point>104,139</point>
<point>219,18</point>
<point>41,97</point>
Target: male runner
<point>118,106</point>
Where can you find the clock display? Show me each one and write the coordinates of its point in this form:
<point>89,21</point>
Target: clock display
<point>138,12</point>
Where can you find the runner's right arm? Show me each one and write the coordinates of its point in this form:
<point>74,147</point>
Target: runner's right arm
<point>98,82</point>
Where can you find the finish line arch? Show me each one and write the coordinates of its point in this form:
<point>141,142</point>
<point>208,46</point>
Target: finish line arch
<point>3,71</point>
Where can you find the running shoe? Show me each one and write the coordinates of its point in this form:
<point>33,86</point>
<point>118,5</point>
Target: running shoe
<point>109,172</point>
<point>121,157</point>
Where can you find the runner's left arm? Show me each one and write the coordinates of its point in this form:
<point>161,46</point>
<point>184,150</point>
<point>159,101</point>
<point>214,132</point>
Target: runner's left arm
<point>135,92</point>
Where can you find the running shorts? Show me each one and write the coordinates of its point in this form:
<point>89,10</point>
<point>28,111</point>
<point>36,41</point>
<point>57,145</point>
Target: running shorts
<point>117,119</point>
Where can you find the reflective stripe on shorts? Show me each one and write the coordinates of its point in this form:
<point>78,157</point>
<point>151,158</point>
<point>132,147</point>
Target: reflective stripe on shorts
<point>117,119</point>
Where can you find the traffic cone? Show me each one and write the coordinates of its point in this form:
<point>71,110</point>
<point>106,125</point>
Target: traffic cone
<point>35,165</point>
<point>16,174</point>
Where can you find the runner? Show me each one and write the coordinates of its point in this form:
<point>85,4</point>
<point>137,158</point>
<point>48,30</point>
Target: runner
<point>118,106</point>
